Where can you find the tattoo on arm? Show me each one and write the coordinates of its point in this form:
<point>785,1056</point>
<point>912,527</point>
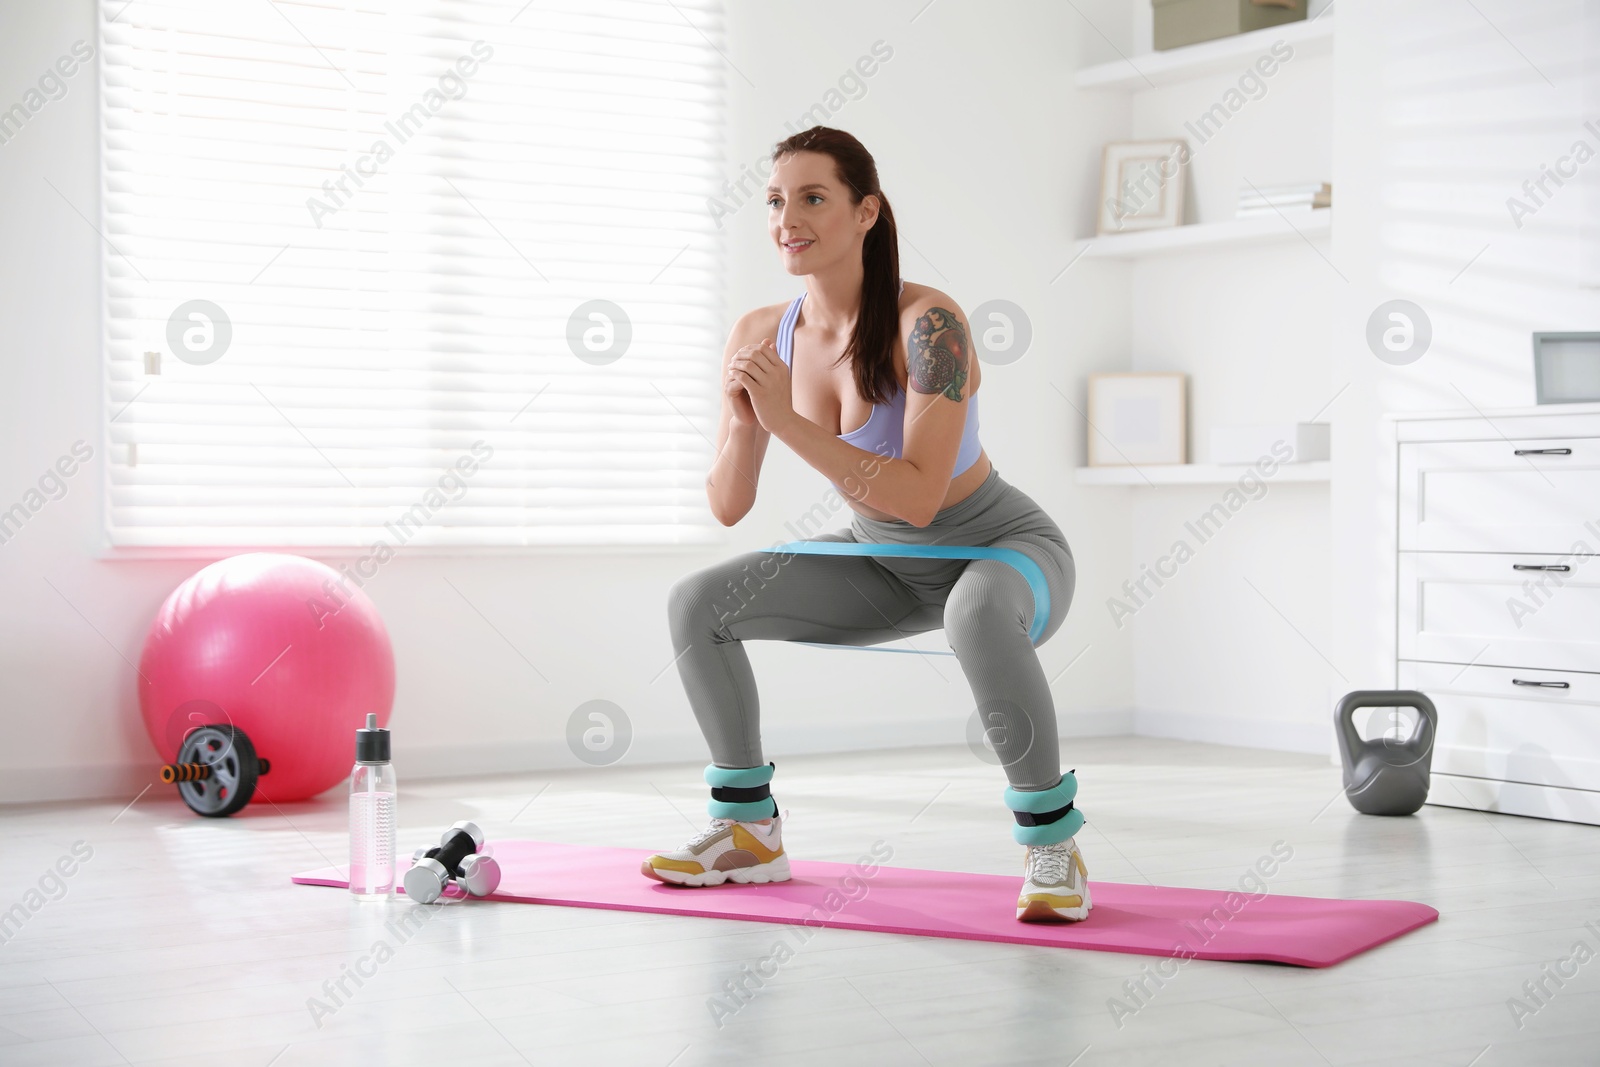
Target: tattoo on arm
<point>938,354</point>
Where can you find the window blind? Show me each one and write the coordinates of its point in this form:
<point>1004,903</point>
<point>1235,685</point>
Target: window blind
<point>410,272</point>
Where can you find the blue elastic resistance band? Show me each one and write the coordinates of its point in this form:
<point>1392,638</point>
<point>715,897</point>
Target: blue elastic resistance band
<point>1021,561</point>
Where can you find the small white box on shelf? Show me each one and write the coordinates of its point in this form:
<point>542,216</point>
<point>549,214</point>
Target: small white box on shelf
<point>1307,442</point>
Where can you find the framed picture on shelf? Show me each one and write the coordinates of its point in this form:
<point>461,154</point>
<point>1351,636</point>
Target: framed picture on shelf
<point>1141,185</point>
<point>1138,419</point>
<point>1566,368</point>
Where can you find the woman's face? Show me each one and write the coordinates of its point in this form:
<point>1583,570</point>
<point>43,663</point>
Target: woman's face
<point>809,214</point>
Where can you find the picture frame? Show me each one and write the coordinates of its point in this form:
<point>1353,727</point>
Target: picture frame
<point>1138,419</point>
<point>1141,185</point>
<point>1566,367</point>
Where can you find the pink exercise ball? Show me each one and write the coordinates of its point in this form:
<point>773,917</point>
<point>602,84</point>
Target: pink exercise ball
<point>280,647</point>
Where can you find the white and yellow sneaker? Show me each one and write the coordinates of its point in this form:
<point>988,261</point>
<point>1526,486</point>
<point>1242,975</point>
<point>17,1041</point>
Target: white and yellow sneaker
<point>1055,886</point>
<point>725,851</point>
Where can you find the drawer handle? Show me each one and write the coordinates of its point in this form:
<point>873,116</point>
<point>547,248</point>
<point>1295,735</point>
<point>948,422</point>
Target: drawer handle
<point>1540,567</point>
<point>1543,685</point>
<point>1543,452</point>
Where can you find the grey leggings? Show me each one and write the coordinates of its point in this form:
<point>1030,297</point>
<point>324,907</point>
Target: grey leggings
<point>984,606</point>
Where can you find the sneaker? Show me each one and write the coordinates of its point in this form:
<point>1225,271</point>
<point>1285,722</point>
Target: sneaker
<point>725,851</point>
<point>1055,885</point>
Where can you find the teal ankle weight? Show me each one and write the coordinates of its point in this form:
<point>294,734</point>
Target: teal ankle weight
<point>1029,805</point>
<point>741,793</point>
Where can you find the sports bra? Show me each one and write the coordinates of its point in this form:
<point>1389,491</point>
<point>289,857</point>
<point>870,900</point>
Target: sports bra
<point>883,433</point>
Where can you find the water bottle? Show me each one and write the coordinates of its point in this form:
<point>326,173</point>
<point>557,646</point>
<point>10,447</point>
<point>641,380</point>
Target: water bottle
<point>372,815</point>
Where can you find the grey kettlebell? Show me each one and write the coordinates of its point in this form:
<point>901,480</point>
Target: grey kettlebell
<point>1386,776</point>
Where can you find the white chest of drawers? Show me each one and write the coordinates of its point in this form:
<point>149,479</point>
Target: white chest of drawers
<point>1498,603</point>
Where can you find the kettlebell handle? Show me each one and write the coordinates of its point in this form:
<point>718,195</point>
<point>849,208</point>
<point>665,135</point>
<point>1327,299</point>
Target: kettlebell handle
<point>1351,742</point>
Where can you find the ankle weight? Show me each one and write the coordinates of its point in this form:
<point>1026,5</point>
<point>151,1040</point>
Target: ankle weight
<point>1045,816</point>
<point>742,793</point>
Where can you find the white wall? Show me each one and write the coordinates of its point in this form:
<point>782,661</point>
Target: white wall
<point>1442,111</point>
<point>1231,647</point>
<point>991,160</point>
<point>1436,116</point>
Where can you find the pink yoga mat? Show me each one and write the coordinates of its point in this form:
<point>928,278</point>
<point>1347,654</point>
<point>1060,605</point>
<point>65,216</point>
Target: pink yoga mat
<point>1150,920</point>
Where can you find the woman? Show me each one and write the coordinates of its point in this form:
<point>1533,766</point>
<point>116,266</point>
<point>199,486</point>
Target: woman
<point>846,351</point>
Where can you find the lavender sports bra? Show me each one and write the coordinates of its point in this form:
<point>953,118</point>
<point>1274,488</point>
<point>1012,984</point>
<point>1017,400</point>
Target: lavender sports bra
<point>884,430</point>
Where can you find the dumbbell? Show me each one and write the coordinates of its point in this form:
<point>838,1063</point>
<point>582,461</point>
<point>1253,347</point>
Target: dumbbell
<point>456,859</point>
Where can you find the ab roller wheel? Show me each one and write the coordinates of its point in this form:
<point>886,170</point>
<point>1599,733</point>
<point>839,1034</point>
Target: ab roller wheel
<point>216,770</point>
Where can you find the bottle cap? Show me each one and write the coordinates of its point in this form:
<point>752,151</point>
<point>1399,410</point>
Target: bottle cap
<point>372,744</point>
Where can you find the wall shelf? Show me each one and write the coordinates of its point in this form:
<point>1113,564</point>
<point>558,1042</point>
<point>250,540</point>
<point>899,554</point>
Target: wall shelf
<point>1309,38</point>
<point>1200,474</point>
<point>1257,229</point>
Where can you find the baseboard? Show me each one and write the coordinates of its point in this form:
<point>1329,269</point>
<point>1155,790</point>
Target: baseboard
<point>98,782</point>
<point>36,785</point>
<point>688,746</point>
<point>1314,739</point>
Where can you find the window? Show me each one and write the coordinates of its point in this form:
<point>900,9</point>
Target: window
<point>410,271</point>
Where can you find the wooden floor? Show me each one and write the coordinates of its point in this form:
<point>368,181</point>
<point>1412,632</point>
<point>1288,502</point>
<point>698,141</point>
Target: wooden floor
<point>180,940</point>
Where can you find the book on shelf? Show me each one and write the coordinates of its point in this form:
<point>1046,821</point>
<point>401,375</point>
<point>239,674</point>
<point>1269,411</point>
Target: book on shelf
<point>1266,200</point>
<point>1278,209</point>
